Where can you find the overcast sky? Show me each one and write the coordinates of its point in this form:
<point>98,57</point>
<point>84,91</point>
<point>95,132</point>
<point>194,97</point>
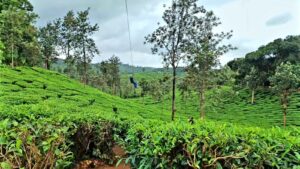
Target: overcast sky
<point>254,23</point>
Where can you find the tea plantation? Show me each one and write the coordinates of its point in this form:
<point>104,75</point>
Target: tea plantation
<point>50,121</point>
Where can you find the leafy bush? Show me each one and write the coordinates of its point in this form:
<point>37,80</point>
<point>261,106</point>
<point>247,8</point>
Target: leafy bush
<point>154,144</point>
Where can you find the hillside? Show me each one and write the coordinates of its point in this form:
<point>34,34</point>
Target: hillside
<point>233,105</point>
<point>59,65</point>
<point>38,91</point>
<point>34,89</point>
<point>51,121</point>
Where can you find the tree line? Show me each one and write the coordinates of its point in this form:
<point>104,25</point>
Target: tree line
<point>275,65</point>
<point>188,34</point>
<point>22,43</point>
<point>187,38</point>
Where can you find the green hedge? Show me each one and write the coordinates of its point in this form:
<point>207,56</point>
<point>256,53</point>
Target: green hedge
<point>58,141</point>
<point>154,144</point>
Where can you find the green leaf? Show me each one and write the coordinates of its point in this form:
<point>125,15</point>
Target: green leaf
<point>119,161</point>
<point>5,165</point>
<point>3,140</point>
<point>219,166</point>
<point>297,155</point>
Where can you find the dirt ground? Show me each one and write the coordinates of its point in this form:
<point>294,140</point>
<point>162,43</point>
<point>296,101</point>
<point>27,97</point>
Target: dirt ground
<point>98,164</point>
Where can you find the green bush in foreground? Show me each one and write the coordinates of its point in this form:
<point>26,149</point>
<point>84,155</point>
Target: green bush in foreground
<point>57,142</point>
<point>153,144</point>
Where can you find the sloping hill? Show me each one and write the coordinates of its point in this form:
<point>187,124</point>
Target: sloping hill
<point>234,105</point>
<point>39,91</point>
<point>50,121</point>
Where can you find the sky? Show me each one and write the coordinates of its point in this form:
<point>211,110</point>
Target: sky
<point>254,23</point>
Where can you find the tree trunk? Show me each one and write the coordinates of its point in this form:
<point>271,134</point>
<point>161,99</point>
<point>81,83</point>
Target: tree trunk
<point>68,57</point>
<point>202,102</point>
<point>173,93</point>
<point>47,66</point>
<point>284,106</point>
<point>12,56</point>
<point>284,117</point>
<point>253,94</point>
<point>162,103</point>
<point>84,65</point>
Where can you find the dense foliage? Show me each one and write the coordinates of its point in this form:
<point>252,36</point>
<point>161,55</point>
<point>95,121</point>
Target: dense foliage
<point>49,115</point>
<point>266,58</point>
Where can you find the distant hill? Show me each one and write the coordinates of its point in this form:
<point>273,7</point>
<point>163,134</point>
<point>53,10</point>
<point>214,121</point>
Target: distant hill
<point>60,65</point>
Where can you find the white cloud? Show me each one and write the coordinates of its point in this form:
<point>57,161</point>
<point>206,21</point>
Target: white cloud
<point>248,21</point>
<point>247,18</point>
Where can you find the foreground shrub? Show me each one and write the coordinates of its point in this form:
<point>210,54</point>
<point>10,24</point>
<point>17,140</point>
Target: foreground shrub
<point>28,141</point>
<point>153,144</point>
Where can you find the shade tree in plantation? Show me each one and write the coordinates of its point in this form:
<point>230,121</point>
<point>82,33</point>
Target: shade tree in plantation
<point>68,41</point>
<point>185,89</point>
<point>156,90</point>
<point>225,76</point>
<point>285,81</point>
<point>253,82</point>
<point>165,87</point>
<point>111,73</point>
<point>266,58</point>
<point>18,33</point>
<point>49,41</point>
<point>204,49</point>
<point>170,38</point>
<point>86,48</point>
<point>1,52</point>
<point>20,4</point>
<point>145,88</point>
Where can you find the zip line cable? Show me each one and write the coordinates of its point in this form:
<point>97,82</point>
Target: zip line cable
<point>129,37</point>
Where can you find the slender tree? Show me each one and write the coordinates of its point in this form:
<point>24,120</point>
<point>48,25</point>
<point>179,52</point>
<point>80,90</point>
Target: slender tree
<point>48,39</point>
<point>11,32</point>
<point>170,39</point>
<point>145,88</point>
<point>110,71</point>
<point>285,81</point>
<point>85,45</point>
<point>253,81</point>
<point>185,90</point>
<point>68,43</point>
<point>115,73</point>
<point>204,49</point>
<point>18,33</point>
<point>1,52</point>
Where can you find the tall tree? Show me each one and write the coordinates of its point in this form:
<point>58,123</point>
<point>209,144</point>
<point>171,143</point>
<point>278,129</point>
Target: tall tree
<point>20,4</point>
<point>145,88</point>
<point>11,33</point>
<point>205,47</point>
<point>68,43</point>
<point>18,33</point>
<point>185,90</point>
<point>85,45</point>
<point>1,52</point>
<point>49,40</point>
<point>253,81</point>
<point>266,58</point>
<point>170,39</point>
<point>115,73</point>
<point>285,81</point>
<point>110,71</point>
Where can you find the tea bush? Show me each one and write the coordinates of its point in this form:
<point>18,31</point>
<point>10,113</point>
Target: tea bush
<point>154,144</point>
<point>50,121</point>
